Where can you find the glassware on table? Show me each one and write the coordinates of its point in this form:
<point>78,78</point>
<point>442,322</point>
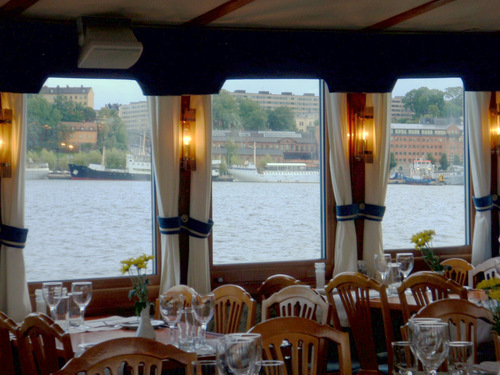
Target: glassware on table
<point>460,357</point>
<point>381,265</point>
<point>406,262</point>
<point>271,367</point>
<point>404,361</point>
<point>242,355</point>
<point>203,307</point>
<point>170,308</point>
<point>187,329</point>
<point>206,367</point>
<point>52,292</point>
<point>394,278</point>
<point>430,343</point>
<point>362,267</point>
<point>81,292</point>
<point>256,338</point>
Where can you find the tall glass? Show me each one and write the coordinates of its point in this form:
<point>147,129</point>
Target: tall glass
<point>170,307</point>
<point>203,307</point>
<point>52,293</point>
<point>405,261</point>
<point>241,355</point>
<point>82,294</point>
<point>382,265</point>
<point>431,344</point>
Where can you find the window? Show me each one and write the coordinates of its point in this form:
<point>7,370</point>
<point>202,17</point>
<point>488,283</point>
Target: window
<point>93,223</point>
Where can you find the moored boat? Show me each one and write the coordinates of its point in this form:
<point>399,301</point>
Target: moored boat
<point>36,171</point>
<point>135,170</point>
<point>275,172</point>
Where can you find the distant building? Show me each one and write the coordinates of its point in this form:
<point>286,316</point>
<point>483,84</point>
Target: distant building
<point>135,115</point>
<point>81,133</point>
<point>304,122</point>
<point>82,95</point>
<point>399,112</point>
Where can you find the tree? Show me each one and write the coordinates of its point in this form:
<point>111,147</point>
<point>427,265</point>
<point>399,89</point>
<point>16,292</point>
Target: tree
<point>282,118</point>
<point>112,132</point>
<point>42,121</point>
<point>454,99</point>
<point>457,160</point>
<point>252,115</point>
<point>392,161</point>
<point>444,162</point>
<point>225,111</point>
<point>429,156</point>
<point>262,163</point>
<point>231,151</point>
<point>419,101</point>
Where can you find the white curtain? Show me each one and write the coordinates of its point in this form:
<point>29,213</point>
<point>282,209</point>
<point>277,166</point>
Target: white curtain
<point>14,297</point>
<point>377,176</point>
<point>477,110</point>
<point>337,124</point>
<point>165,117</point>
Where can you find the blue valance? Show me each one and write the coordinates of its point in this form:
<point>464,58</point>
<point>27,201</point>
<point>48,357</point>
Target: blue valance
<point>486,203</point>
<point>360,211</point>
<point>184,223</point>
<point>13,236</point>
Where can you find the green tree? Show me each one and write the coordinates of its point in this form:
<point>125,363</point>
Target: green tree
<point>252,115</point>
<point>115,158</point>
<point>419,101</point>
<point>69,110</point>
<point>225,111</point>
<point>444,162</point>
<point>261,164</point>
<point>454,99</point>
<point>231,152</point>
<point>42,121</point>
<point>282,118</point>
<point>457,160</point>
<point>111,130</point>
<point>392,161</point>
<point>429,156</point>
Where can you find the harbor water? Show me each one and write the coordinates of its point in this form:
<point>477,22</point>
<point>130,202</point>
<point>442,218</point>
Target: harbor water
<point>80,229</point>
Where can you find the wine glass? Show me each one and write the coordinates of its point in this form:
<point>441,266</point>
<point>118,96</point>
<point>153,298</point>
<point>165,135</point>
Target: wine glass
<point>82,294</point>
<point>203,307</point>
<point>271,367</point>
<point>431,344</point>
<point>381,265</point>
<point>52,293</point>
<point>405,261</point>
<point>170,307</point>
<point>241,353</point>
<point>404,362</point>
<point>206,367</point>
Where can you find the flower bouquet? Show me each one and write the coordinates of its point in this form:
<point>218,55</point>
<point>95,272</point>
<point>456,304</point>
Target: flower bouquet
<point>492,290</point>
<point>422,241</point>
<point>136,268</point>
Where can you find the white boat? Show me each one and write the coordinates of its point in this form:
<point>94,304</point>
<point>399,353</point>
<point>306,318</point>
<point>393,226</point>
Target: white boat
<point>275,172</point>
<point>36,171</point>
<point>455,175</point>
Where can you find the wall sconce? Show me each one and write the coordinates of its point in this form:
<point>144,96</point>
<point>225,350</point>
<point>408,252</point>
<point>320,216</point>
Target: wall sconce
<point>5,143</point>
<point>188,122</point>
<point>363,143</point>
<point>494,122</point>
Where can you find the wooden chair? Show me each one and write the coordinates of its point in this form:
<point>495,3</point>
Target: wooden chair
<point>8,330</point>
<point>275,283</point>
<point>353,289</point>
<point>297,301</point>
<point>186,292</point>
<point>483,271</point>
<point>427,287</point>
<point>232,302</point>
<point>463,317</point>
<point>112,356</point>
<point>458,271</point>
<point>302,344</point>
<point>39,352</point>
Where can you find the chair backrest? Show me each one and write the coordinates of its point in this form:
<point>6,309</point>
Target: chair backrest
<point>297,301</point>
<point>38,337</point>
<point>275,283</point>
<point>8,330</point>
<point>353,288</point>
<point>302,344</point>
<point>186,292</point>
<point>232,303</point>
<point>110,357</point>
<point>458,270</point>
<point>463,316</point>
<point>483,271</point>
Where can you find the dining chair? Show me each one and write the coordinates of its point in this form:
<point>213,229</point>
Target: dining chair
<point>458,270</point>
<point>302,344</point>
<point>131,353</point>
<point>186,292</point>
<point>8,331</point>
<point>426,287</point>
<point>464,318</point>
<point>43,345</point>
<point>275,283</point>
<point>296,301</point>
<point>483,271</point>
<point>234,307</point>
<point>354,288</point>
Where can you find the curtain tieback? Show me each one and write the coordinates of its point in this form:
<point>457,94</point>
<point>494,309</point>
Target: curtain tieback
<point>13,236</point>
<point>360,211</point>
<point>184,223</point>
<point>486,203</point>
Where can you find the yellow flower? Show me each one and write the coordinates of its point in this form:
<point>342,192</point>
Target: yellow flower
<point>139,282</point>
<point>489,284</point>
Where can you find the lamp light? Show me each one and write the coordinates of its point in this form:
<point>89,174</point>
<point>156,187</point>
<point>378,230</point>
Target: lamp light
<point>494,122</point>
<point>188,146</point>
<point>5,143</point>
<point>364,135</point>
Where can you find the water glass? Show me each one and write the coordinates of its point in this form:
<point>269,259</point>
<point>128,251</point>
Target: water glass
<point>170,307</point>
<point>460,357</point>
<point>404,360</point>
<point>82,294</point>
<point>405,261</point>
<point>362,267</point>
<point>62,311</point>
<point>52,292</point>
<point>394,278</point>
<point>382,265</point>
<point>206,367</point>
<point>430,344</point>
<point>241,354</point>
<point>187,329</point>
<point>271,367</point>
<point>203,307</point>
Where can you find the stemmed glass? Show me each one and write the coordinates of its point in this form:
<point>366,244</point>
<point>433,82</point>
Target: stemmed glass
<point>170,307</point>
<point>52,293</point>
<point>82,294</point>
<point>405,261</point>
<point>241,355</point>
<point>431,344</point>
<point>382,265</point>
<point>203,307</point>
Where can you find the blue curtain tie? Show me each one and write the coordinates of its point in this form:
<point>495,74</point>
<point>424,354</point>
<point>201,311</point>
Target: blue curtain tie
<point>360,211</point>
<point>184,223</point>
<point>13,236</point>
<point>485,203</point>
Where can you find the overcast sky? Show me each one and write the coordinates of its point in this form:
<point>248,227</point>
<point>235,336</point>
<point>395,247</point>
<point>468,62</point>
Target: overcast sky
<point>125,92</point>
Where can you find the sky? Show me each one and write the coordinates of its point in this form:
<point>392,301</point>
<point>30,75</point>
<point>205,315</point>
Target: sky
<point>125,92</point>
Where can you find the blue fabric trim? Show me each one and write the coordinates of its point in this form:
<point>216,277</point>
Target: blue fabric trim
<point>360,211</point>
<point>193,227</point>
<point>483,203</point>
<point>13,236</point>
<point>347,212</point>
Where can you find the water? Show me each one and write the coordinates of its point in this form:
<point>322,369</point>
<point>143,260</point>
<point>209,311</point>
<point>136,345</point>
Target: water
<point>81,229</point>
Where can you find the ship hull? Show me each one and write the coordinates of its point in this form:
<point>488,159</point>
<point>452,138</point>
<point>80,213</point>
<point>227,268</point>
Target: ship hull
<point>81,172</point>
<point>251,175</point>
